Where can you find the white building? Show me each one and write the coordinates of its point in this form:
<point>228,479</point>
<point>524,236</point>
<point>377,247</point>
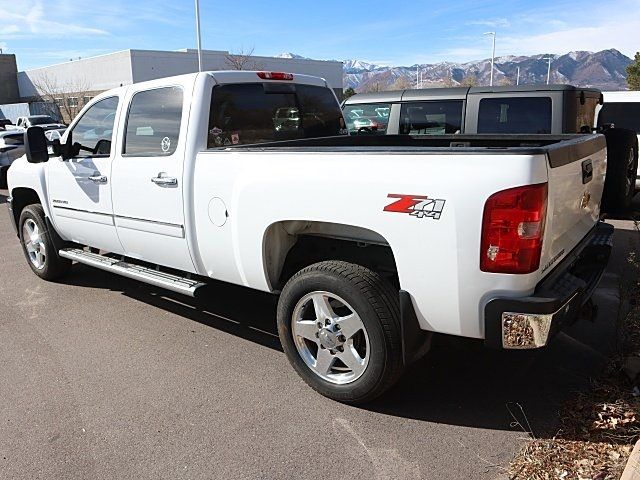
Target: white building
<point>96,74</point>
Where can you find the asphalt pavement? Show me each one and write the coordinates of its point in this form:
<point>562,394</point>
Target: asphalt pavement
<point>102,377</point>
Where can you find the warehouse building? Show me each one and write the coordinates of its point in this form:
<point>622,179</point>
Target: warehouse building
<point>72,84</point>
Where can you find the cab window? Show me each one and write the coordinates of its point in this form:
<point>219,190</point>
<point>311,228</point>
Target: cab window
<point>431,118</point>
<point>367,118</point>
<point>153,122</point>
<point>251,113</point>
<point>94,131</point>
<point>515,115</point>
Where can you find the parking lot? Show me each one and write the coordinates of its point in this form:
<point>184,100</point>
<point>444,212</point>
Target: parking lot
<point>102,377</point>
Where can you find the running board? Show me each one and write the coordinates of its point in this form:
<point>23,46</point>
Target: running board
<point>171,282</point>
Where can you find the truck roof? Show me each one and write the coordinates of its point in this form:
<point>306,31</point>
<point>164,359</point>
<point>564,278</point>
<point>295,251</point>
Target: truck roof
<point>458,93</point>
<point>622,97</point>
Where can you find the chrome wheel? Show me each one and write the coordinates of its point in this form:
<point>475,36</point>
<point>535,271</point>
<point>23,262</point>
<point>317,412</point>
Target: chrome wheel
<point>330,337</point>
<point>34,244</point>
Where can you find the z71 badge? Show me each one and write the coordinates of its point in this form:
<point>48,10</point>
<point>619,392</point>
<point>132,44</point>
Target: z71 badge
<point>416,205</point>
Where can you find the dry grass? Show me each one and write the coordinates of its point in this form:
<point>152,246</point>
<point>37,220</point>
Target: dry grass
<point>599,427</point>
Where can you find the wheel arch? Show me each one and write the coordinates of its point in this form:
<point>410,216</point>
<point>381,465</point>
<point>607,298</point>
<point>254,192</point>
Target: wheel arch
<point>23,197</point>
<point>291,245</point>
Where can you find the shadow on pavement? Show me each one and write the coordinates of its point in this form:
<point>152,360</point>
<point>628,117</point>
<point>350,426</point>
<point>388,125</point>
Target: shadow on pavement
<point>458,383</point>
<point>3,198</point>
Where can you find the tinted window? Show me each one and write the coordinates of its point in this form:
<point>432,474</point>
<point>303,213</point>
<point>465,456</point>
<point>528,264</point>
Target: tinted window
<point>515,115</point>
<point>13,140</point>
<point>41,120</point>
<point>96,124</point>
<point>431,118</point>
<point>153,122</point>
<point>623,115</point>
<point>369,118</point>
<point>255,113</point>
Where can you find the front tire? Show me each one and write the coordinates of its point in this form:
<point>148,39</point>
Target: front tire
<point>339,324</point>
<point>38,245</point>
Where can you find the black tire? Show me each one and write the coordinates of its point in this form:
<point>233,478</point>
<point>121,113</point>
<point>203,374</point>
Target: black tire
<point>622,167</point>
<point>377,305</point>
<point>54,266</point>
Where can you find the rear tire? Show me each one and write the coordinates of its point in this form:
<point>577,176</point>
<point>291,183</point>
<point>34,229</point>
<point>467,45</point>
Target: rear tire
<point>38,244</point>
<point>622,168</point>
<point>339,324</point>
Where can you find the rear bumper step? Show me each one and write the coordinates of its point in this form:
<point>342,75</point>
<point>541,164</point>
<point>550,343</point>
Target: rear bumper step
<point>530,322</point>
<point>157,278</point>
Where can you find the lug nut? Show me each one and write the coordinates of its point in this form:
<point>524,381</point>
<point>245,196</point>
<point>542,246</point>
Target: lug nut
<point>337,327</point>
<point>342,338</point>
<point>340,349</point>
<point>327,322</point>
<point>319,324</point>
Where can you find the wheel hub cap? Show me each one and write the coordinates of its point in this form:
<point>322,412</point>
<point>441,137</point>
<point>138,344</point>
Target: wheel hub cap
<point>330,337</point>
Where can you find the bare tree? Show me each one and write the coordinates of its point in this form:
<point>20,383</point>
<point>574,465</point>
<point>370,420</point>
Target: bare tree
<point>470,80</point>
<point>447,81</point>
<point>242,60</point>
<point>69,97</point>
<point>402,83</point>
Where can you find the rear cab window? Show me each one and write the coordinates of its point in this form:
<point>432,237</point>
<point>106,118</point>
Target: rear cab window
<point>252,113</point>
<point>621,114</point>
<point>515,115</point>
<point>153,122</point>
<point>431,118</point>
<point>367,118</point>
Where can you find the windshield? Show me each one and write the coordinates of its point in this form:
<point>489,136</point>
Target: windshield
<point>622,115</point>
<point>41,120</point>
<point>263,112</point>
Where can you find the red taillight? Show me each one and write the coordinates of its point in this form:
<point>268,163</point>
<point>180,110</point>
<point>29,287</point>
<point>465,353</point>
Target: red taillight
<point>512,230</point>
<point>275,75</point>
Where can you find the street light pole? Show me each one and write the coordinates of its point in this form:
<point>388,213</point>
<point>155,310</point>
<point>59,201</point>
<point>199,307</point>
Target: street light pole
<point>493,55</point>
<point>548,69</point>
<point>198,35</point>
<point>518,77</point>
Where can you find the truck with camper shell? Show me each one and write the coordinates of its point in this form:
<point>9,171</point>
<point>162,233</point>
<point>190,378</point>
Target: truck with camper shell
<point>372,243</point>
<point>510,110</point>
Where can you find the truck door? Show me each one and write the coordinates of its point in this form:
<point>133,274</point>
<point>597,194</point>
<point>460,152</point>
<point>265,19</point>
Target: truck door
<point>80,187</point>
<point>148,182</point>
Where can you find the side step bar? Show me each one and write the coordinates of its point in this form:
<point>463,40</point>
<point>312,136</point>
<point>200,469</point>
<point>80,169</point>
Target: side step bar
<point>144,274</point>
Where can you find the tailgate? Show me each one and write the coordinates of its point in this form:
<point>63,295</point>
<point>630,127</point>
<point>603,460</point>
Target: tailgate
<point>576,179</point>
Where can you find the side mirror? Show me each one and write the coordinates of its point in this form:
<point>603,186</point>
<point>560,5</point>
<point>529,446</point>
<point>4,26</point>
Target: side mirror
<point>35,145</point>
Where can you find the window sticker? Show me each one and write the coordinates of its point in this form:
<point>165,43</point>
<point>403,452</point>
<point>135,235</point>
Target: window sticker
<point>165,144</point>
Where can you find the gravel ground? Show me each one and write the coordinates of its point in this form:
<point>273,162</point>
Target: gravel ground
<point>102,377</point>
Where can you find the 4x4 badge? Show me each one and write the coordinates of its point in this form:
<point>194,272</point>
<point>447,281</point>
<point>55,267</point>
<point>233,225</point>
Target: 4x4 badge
<point>418,206</point>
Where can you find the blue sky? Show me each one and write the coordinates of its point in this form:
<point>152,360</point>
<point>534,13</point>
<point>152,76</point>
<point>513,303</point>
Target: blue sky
<point>394,33</point>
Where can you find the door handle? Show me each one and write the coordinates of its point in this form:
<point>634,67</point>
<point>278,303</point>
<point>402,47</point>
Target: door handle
<point>163,181</point>
<point>98,179</point>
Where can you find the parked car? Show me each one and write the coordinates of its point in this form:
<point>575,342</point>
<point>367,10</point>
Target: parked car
<point>371,242</point>
<point>44,121</point>
<point>11,148</point>
<point>525,109</point>
<point>4,123</point>
<point>622,109</point>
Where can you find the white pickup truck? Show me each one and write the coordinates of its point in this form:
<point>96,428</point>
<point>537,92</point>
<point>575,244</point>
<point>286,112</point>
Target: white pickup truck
<point>371,243</point>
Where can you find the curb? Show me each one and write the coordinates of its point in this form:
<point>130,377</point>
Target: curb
<point>632,470</point>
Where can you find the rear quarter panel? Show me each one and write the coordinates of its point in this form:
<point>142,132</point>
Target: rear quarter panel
<point>437,260</point>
